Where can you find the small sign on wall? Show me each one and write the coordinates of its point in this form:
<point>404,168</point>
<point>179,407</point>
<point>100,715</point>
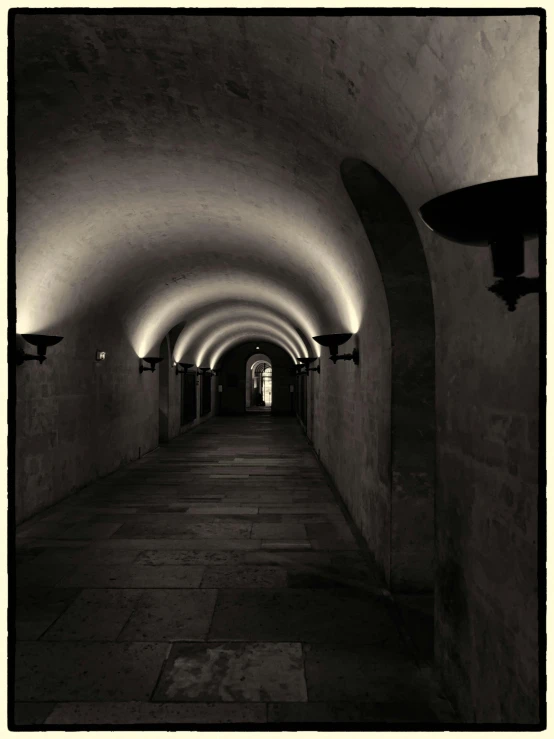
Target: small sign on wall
<point>291,388</point>
<point>220,388</point>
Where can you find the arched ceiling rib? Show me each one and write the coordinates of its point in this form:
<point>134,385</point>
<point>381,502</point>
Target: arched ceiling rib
<point>251,329</point>
<point>240,338</point>
<point>228,317</point>
<point>157,316</point>
<point>248,227</point>
<point>166,161</point>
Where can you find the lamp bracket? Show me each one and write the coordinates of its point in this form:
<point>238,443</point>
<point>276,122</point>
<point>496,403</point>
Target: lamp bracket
<point>22,356</point>
<point>354,356</point>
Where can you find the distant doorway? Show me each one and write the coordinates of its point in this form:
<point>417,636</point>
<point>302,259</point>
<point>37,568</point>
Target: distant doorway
<point>259,384</point>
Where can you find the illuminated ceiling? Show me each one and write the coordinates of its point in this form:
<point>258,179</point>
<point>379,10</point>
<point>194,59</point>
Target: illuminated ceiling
<point>176,168</point>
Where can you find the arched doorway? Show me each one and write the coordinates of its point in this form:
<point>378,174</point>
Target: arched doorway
<point>259,383</point>
<point>397,247</point>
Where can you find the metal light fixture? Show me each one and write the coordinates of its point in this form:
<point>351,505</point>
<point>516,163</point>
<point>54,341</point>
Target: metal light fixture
<point>216,372</point>
<point>185,366</point>
<point>152,361</point>
<point>499,214</point>
<point>204,371</point>
<point>41,342</point>
<point>306,361</point>
<point>333,341</point>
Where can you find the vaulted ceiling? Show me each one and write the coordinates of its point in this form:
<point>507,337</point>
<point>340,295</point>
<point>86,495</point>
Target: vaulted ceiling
<point>180,167</point>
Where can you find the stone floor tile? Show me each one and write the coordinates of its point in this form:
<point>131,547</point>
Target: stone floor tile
<point>136,712</point>
<point>90,530</point>
<point>244,576</point>
<point>30,543</point>
<point>171,615</point>
<point>191,560</point>
<point>183,544</point>
<point>37,608</point>
<point>33,529</point>
<point>334,545</point>
<point>293,531</point>
<point>31,714</point>
<point>289,544</point>
<point>222,510</point>
<point>316,615</point>
<point>206,530</point>
<point>95,615</point>
<point>40,572</point>
<point>298,509</point>
<point>349,712</point>
<point>133,576</point>
<point>76,671</point>
<point>188,557</point>
<point>375,673</point>
<point>252,672</point>
<point>55,558</point>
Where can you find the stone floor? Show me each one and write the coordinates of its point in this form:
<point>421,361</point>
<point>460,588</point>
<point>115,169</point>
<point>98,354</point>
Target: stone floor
<point>216,580</point>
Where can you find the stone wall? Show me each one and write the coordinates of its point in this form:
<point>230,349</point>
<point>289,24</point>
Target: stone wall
<point>486,500</point>
<point>349,425</point>
<point>394,239</point>
<point>78,419</point>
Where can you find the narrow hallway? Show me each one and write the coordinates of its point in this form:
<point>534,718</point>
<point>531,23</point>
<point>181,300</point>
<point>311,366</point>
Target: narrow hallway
<point>214,580</point>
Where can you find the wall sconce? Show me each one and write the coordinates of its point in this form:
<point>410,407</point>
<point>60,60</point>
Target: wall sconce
<point>298,370</point>
<point>41,342</point>
<point>306,361</point>
<point>333,341</point>
<point>185,367</point>
<point>204,371</point>
<point>152,361</point>
<point>500,214</point>
<point>100,356</point>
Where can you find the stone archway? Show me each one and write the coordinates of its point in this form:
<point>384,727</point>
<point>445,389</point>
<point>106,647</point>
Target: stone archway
<point>399,252</point>
<point>250,362</point>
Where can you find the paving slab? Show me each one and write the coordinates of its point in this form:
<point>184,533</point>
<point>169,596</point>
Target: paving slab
<point>134,576</point>
<point>69,671</point>
<point>37,608</point>
<point>378,673</point>
<point>296,614</point>
<point>291,531</point>
<point>159,557</point>
<point>170,615</point>
<point>206,530</point>
<point>215,581</point>
<point>392,712</point>
<point>31,714</point>
<point>244,576</point>
<point>95,615</point>
<point>136,712</point>
<point>253,672</point>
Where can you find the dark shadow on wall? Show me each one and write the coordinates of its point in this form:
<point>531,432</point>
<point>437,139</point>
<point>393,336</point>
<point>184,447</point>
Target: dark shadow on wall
<point>399,252</point>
